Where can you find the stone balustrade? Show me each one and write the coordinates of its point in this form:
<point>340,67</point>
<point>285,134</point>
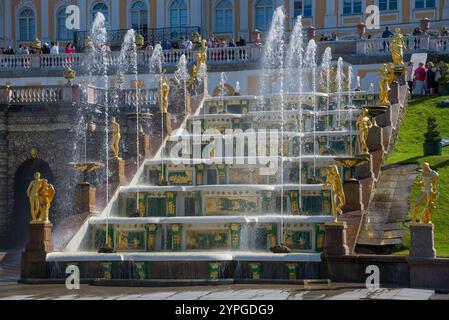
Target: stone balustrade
<point>169,58</point>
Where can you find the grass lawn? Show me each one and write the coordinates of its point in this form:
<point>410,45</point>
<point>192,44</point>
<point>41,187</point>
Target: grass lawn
<point>409,149</point>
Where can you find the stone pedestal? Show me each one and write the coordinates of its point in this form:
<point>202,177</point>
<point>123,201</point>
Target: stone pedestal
<point>33,258</point>
<point>384,120</point>
<point>353,194</point>
<point>394,93</point>
<point>422,241</point>
<point>117,172</point>
<point>365,170</point>
<point>335,239</point>
<point>375,140</point>
<point>163,123</point>
<point>84,198</point>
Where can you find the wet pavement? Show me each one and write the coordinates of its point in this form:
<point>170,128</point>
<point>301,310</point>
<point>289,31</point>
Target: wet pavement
<point>11,290</point>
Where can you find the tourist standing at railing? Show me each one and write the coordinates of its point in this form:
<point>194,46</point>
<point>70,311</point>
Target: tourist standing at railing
<point>334,36</point>
<point>46,49</point>
<point>20,50</point>
<point>431,83</point>
<point>167,45</point>
<point>444,32</point>
<point>409,76</point>
<point>387,33</point>
<point>420,80</point>
<point>242,41</point>
<point>54,48</point>
<point>69,50</point>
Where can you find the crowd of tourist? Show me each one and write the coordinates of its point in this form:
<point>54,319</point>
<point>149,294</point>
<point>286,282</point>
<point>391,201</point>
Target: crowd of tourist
<point>213,42</point>
<point>53,48</point>
<point>424,79</point>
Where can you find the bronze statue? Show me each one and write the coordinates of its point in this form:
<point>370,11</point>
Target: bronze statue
<point>397,48</point>
<point>337,195</point>
<point>46,196</point>
<point>364,123</point>
<point>428,196</point>
<point>162,94</point>
<point>33,196</point>
<point>386,78</point>
<point>116,136</point>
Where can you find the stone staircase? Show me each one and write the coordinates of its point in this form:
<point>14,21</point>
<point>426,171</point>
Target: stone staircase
<point>9,266</point>
<point>382,226</point>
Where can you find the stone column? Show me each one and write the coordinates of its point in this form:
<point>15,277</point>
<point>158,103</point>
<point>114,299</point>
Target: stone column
<point>335,239</point>
<point>85,198</point>
<point>353,194</point>
<point>33,258</point>
<point>422,241</point>
<point>445,10</point>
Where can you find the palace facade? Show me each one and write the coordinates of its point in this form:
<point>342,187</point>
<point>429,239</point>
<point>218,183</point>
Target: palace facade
<point>23,20</point>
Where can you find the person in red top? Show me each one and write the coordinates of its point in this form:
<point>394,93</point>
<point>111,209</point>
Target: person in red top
<point>420,79</point>
<point>69,50</point>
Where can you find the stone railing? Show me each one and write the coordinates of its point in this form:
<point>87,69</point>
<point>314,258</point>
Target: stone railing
<point>373,47</point>
<point>31,94</point>
<point>145,98</point>
<point>440,44</point>
<point>170,58</point>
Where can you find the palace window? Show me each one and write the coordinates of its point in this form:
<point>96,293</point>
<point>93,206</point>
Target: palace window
<point>27,25</point>
<point>223,16</point>
<point>63,32</point>
<point>424,4</point>
<point>179,14</point>
<point>387,5</point>
<point>302,8</point>
<point>352,6</point>
<point>103,8</point>
<point>139,17</point>
<point>264,12</point>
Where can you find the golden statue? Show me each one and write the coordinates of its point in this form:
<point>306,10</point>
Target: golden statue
<point>397,48</point>
<point>41,195</point>
<point>428,196</point>
<point>386,78</point>
<point>201,55</point>
<point>162,94</point>
<point>193,76</point>
<point>33,196</point>
<point>337,195</point>
<point>116,136</point>
<point>364,123</point>
<point>46,196</point>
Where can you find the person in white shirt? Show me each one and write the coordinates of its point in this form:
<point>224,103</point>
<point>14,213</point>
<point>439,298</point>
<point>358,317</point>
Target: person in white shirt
<point>54,48</point>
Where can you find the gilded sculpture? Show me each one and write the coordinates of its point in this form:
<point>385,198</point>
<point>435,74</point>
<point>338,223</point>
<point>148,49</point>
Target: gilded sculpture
<point>397,48</point>
<point>386,78</point>
<point>116,136</point>
<point>202,53</point>
<point>337,195</point>
<point>162,94</point>
<point>40,194</point>
<point>46,196</point>
<point>428,196</point>
<point>364,123</point>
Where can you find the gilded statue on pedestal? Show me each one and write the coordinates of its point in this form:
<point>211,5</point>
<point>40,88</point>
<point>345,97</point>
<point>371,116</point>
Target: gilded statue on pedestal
<point>397,48</point>
<point>162,94</point>
<point>33,196</point>
<point>428,196</point>
<point>364,123</point>
<point>46,196</point>
<point>116,136</point>
<point>337,195</point>
<point>386,78</point>
<point>41,195</point>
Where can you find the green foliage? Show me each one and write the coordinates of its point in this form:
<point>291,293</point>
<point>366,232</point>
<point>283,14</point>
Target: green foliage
<point>444,69</point>
<point>408,150</point>
<point>432,135</point>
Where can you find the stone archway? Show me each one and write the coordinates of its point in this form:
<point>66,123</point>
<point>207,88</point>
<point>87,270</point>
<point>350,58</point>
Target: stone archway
<point>21,212</point>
